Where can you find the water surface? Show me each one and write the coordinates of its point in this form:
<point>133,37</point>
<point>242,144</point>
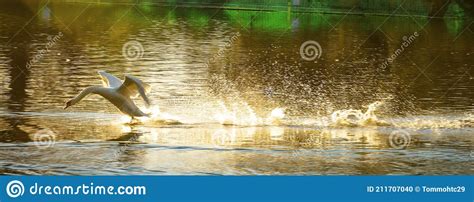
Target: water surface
<point>345,113</point>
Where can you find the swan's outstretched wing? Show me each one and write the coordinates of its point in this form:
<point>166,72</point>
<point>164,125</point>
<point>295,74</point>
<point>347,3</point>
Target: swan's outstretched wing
<point>109,80</point>
<point>133,87</point>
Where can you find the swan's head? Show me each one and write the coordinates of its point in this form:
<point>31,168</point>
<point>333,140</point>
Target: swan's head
<point>68,104</point>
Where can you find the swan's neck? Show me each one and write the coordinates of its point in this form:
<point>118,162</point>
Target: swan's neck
<point>87,91</point>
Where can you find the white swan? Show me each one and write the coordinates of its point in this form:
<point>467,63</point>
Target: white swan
<point>117,93</point>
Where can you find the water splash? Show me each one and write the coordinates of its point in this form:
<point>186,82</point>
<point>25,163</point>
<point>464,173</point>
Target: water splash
<point>435,122</point>
<point>353,117</point>
<point>240,113</point>
<point>226,117</point>
<point>276,116</point>
<point>125,119</point>
<point>156,117</point>
<point>243,114</point>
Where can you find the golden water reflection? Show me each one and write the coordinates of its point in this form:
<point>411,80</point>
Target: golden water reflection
<point>259,72</point>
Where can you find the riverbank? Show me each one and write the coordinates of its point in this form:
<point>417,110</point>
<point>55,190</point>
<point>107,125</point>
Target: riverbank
<point>414,8</point>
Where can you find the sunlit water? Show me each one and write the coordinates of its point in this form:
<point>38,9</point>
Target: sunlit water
<point>231,94</point>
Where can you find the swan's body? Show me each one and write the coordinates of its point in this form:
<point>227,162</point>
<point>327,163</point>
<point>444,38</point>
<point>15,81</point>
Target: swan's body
<point>118,93</point>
